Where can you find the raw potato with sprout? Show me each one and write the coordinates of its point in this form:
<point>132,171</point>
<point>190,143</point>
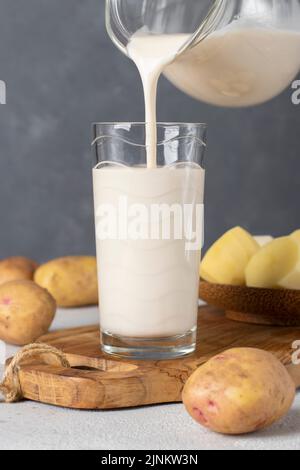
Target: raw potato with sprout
<point>239,391</point>
<point>26,312</point>
<point>72,280</point>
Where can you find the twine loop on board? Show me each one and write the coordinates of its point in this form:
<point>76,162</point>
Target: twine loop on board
<point>10,386</point>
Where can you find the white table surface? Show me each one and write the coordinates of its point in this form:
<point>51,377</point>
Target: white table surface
<point>35,426</point>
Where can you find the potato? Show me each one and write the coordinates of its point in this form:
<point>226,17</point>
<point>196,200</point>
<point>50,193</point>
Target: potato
<point>26,312</point>
<point>22,262</point>
<point>226,261</point>
<point>296,236</point>
<point>239,391</point>
<point>277,265</point>
<point>16,268</point>
<point>72,280</point>
<point>292,280</point>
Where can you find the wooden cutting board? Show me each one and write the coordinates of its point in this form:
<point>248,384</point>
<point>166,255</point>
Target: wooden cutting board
<point>96,381</point>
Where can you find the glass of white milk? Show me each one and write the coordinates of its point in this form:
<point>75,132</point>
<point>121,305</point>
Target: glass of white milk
<point>149,235</point>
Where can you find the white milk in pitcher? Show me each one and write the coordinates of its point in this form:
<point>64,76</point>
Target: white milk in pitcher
<point>240,65</point>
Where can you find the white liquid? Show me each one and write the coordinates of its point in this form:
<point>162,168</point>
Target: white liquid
<point>240,65</point>
<point>151,55</point>
<point>148,288</point>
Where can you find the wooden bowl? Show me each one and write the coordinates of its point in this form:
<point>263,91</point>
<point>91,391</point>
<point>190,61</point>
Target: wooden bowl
<point>251,305</point>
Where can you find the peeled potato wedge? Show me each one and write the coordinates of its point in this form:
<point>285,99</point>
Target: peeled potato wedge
<point>292,280</point>
<point>296,236</point>
<point>277,265</point>
<point>226,261</point>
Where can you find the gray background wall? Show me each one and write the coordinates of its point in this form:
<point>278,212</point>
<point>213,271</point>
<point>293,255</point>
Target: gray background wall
<point>63,73</point>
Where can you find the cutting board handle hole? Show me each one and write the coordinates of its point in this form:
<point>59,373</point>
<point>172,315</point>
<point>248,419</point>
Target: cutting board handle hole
<point>112,367</point>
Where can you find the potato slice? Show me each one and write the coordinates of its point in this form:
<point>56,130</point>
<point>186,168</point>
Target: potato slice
<point>292,280</point>
<point>226,261</point>
<point>275,265</point>
<point>296,236</point>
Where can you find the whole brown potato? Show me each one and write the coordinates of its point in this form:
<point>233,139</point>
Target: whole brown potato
<point>26,312</point>
<point>22,262</point>
<point>17,268</point>
<point>239,391</point>
<point>71,280</point>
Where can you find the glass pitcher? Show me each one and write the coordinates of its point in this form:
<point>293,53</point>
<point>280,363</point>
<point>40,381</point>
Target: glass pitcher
<point>234,52</point>
<point>197,19</point>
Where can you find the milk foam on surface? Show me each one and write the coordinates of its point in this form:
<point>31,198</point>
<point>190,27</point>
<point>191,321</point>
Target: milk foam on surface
<point>148,288</point>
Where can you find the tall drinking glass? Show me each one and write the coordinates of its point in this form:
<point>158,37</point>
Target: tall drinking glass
<point>149,235</point>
